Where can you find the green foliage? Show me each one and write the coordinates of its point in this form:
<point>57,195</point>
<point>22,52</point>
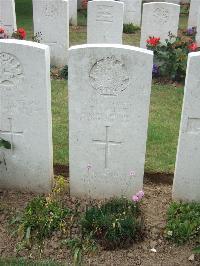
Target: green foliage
<point>64,72</point>
<point>5,144</point>
<point>130,28</point>
<point>41,217</point>
<point>183,222</point>
<point>171,56</point>
<point>196,250</point>
<point>25,262</point>
<point>113,224</point>
<point>80,247</point>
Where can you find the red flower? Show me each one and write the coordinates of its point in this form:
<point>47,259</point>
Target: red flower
<point>21,33</point>
<point>2,30</point>
<point>153,41</point>
<point>192,47</point>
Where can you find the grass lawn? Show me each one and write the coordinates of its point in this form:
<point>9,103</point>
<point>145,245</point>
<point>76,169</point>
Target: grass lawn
<point>165,109</point>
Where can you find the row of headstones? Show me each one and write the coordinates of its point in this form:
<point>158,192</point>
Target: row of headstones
<point>105,22</point>
<point>105,19</point>
<point>109,95</point>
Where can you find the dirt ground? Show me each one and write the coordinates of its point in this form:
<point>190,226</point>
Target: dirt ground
<point>154,206</point>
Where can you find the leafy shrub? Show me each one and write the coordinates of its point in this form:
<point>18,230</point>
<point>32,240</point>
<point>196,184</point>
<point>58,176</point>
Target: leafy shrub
<point>41,217</point>
<point>44,215</point>
<point>183,222</point>
<point>64,72</point>
<point>113,224</point>
<point>170,57</point>
<point>130,28</point>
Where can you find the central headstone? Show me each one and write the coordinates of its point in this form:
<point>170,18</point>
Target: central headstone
<point>109,93</point>
<point>158,20</point>
<point>8,16</point>
<point>132,12</point>
<point>51,19</point>
<point>25,116</point>
<point>105,21</point>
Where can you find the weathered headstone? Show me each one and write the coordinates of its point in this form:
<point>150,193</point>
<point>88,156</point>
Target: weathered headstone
<point>158,20</point>
<point>73,12</point>
<point>193,14</point>
<point>25,116</point>
<point>105,21</point>
<point>109,93</point>
<point>8,16</point>
<point>51,18</point>
<point>198,30</point>
<point>187,172</point>
<point>132,11</point>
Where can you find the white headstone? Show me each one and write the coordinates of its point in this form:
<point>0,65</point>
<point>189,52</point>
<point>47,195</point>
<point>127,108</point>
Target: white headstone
<point>109,93</point>
<point>198,29</point>
<point>8,16</point>
<point>25,116</point>
<point>193,14</point>
<point>73,12</point>
<point>187,172</point>
<point>51,18</point>
<point>132,11</point>
<point>158,20</point>
<point>105,21</point>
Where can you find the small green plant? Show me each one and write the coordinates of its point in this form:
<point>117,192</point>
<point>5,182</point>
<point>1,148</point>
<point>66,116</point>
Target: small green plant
<point>41,217</point>
<point>196,250</point>
<point>5,144</point>
<point>64,72</point>
<point>183,222</point>
<point>44,215</point>
<point>130,28</point>
<point>113,224</point>
<point>81,247</point>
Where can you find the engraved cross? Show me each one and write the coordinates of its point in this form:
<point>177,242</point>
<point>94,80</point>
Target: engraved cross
<point>107,144</point>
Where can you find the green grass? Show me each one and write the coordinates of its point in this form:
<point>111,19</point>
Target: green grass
<point>164,121</point>
<point>165,108</point>
<point>23,262</point>
<point>24,16</point>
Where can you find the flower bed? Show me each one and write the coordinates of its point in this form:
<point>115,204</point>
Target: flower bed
<point>170,56</point>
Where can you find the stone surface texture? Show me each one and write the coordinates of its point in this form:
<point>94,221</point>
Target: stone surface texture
<point>132,11</point>
<point>187,171</point>
<point>193,14</point>
<point>105,21</point>
<point>25,116</point>
<point>8,16</point>
<point>109,94</point>
<point>51,18</point>
<point>73,12</point>
<point>158,20</point>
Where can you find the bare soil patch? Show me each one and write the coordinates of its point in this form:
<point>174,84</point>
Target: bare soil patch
<point>154,206</point>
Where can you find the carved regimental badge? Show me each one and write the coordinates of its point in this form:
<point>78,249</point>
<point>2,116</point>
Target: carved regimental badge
<point>11,71</point>
<point>109,76</point>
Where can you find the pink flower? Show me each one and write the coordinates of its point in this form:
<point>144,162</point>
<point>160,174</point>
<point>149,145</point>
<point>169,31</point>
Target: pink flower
<point>135,198</point>
<point>140,194</point>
